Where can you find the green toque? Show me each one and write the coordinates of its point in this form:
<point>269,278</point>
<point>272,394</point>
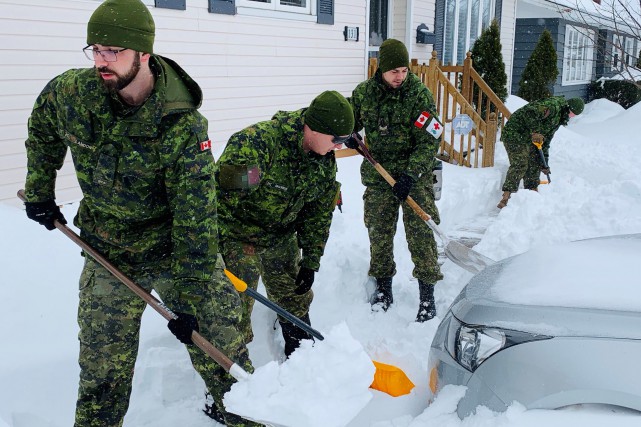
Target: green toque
<point>392,54</point>
<point>576,105</point>
<point>330,114</point>
<point>122,23</point>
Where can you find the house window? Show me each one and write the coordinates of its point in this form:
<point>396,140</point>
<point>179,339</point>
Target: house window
<point>577,56</point>
<point>464,22</point>
<point>616,56</point>
<point>299,6</point>
<point>629,58</point>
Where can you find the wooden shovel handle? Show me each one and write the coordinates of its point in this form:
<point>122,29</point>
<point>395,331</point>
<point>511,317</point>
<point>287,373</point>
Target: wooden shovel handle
<point>424,216</point>
<point>155,303</point>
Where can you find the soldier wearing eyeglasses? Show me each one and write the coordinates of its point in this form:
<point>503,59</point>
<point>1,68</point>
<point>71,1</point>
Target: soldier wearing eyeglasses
<point>143,161</point>
<point>277,191</point>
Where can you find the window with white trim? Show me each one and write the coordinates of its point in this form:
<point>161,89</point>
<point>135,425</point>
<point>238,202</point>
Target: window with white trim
<point>629,58</point>
<point>298,6</point>
<point>578,55</point>
<point>464,22</point>
<point>616,56</point>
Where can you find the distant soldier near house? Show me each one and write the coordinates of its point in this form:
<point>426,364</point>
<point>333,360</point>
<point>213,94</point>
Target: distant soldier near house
<point>143,160</point>
<point>277,192</point>
<point>536,121</point>
<point>393,106</point>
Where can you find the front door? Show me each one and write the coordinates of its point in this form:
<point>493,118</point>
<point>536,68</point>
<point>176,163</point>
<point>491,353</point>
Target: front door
<point>378,25</point>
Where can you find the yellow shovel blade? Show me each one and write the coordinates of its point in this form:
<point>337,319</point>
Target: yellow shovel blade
<point>391,380</point>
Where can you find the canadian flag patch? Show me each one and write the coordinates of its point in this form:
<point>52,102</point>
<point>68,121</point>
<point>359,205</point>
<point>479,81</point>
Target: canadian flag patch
<point>434,127</point>
<point>205,145</point>
<point>422,119</point>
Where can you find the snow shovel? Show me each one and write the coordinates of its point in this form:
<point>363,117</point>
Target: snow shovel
<point>387,378</point>
<point>537,140</point>
<point>234,369</point>
<point>460,254</point>
<point>241,286</point>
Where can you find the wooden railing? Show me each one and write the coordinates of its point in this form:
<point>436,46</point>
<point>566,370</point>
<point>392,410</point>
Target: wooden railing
<point>458,89</point>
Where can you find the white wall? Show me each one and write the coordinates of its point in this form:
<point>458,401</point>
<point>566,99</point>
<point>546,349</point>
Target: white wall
<point>508,25</point>
<point>423,12</point>
<point>248,66</point>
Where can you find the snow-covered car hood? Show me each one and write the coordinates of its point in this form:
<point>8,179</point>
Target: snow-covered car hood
<point>583,288</point>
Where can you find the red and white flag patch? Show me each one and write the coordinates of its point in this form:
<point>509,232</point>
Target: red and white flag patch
<point>205,145</point>
<point>422,119</point>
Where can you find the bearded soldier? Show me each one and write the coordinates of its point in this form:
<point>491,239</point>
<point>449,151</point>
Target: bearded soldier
<point>536,121</point>
<point>392,106</point>
<point>143,161</point>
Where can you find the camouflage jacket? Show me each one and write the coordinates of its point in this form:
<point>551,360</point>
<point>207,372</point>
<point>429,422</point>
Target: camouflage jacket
<point>268,187</point>
<point>388,116</point>
<point>544,117</point>
<point>148,185</point>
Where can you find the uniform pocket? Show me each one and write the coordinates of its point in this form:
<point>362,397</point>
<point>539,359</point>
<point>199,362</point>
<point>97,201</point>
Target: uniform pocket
<point>105,171</point>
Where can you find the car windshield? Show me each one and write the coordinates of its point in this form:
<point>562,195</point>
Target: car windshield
<point>597,273</point>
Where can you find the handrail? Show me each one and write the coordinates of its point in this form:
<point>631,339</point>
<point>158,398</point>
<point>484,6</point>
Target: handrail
<point>455,89</point>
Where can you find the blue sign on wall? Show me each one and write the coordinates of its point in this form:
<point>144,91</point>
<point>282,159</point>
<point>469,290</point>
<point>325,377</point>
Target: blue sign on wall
<point>462,124</point>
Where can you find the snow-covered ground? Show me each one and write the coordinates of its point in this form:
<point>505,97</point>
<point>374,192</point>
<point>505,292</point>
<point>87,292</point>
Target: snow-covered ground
<point>595,191</point>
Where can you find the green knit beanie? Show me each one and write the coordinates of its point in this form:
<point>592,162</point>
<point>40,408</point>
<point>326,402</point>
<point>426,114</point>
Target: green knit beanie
<point>576,105</point>
<point>330,114</point>
<point>122,23</point>
<point>392,54</point>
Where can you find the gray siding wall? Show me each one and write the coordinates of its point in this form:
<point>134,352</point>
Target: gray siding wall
<point>528,32</point>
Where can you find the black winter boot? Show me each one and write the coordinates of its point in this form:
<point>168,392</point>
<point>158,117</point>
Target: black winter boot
<point>382,298</point>
<point>293,335</point>
<point>426,305</point>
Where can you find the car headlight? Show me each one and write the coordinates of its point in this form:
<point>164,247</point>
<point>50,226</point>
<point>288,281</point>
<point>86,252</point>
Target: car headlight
<point>471,345</point>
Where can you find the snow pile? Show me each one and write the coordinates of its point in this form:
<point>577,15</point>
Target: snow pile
<point>324,385</point>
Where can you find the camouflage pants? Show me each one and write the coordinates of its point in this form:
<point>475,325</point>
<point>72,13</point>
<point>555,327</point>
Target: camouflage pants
<point>109,316</point>
<point>381,218</point>
<point>525,164</point>
<point>277,265</point>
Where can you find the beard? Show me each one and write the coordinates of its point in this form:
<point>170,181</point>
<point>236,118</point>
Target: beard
<point>122,80</point>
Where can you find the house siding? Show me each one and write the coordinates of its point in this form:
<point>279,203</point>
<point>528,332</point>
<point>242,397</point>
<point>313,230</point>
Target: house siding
<point>248,66</point>
<point>528,32</point>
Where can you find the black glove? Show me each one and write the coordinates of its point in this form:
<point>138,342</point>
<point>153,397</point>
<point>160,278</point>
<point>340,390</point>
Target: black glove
<point>182,327</point>
<point>44,213</point>
<point>353,141</point>
<point>304,280</point>
<point>546,170</point>
<point>403,186</point>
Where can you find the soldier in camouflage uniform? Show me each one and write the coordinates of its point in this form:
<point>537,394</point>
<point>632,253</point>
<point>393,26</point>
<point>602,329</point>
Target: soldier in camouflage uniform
<point>144,164</point>
<point>277,191</point>
<point>387,106</point>
<point>539,119</point>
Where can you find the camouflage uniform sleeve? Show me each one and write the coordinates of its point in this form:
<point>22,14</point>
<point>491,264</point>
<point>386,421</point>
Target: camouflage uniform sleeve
<point>425,145</point>
<point>45,149</point>
<point>313,224</point>
<point>246,152</point>
<point>191,192</point>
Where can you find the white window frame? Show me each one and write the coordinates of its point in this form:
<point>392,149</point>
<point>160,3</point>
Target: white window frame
<point>578,56</point>
<point>617,50</point>
<point>629,52</point>
<point>276,6</point>
<point>455,25</point>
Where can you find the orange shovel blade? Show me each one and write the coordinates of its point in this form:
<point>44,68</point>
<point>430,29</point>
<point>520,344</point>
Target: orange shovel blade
<point>391,380</point>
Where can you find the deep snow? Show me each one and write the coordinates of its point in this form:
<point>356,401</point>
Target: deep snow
<point>595,191</point>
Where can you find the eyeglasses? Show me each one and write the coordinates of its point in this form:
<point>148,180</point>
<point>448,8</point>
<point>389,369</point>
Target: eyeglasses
<point>341,139</point>
<point>107,55</point>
